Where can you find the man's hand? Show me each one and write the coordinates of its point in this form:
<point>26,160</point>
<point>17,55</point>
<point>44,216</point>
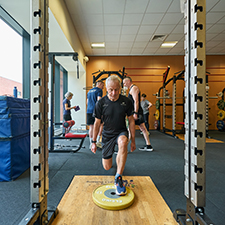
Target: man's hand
<point>132,146</point>
<point>93,148</point>
<point>135,116</point>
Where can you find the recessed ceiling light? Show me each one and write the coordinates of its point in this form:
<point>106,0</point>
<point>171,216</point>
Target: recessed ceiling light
<point>168,44</point>
<point>98,45</point>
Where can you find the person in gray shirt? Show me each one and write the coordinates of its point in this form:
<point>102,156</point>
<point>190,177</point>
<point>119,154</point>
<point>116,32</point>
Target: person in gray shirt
<point>145,105</point>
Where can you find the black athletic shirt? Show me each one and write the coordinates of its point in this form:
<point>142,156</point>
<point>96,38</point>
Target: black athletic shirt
<point>140,110</point>
<point>113,114</point>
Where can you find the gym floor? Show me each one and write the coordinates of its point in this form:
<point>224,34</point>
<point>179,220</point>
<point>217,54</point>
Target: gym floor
<point>165,166</point>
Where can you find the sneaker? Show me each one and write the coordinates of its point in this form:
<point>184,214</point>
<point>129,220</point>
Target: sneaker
<point>146,148</point>
<point>120,188</point>
<point>99,145</point>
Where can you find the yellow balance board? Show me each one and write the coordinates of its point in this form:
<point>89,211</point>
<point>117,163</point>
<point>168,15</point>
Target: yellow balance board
<point>105,197</point>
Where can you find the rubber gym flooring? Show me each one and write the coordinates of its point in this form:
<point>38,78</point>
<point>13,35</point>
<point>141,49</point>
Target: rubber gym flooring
<point>165,166</point>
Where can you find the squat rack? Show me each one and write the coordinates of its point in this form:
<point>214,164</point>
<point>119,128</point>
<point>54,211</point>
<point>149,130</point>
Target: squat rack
<point>174,79</point>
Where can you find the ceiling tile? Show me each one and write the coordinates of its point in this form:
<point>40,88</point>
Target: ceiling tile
<point>137,51</point>
<point>209,36</point>
<point>147,29</point>
<point>127,37</point>
<point>112,45</point>
<point>114,37</point>
<point>95,30</point>
<point>220,37</point>
<point>171,18</point>
<point>111,30</point>
<point>175,6</point>
<point>164,29</point>
<point>110,6</point>
<point>212,43</point>
<point>113,19</point>
<point>213,17</point>
<point>219,7</point>
<point>217,28</point>
<point>111,51</point>
<point>132,19</point>
<point>143,37</point>
<point>136,6</point>
<point>174,37</point>
<point>222,21</point>
<point>139,44</point>
<point>179,29</point>
<point>150,50</point>
<point>94,20</point>
<point>154,44</point>
<point>129,29</point>
<point>98,51</point>
<point>91,7</point>
<point>210,4</point>
<point>97,38</point>
<point>124,51</point>
<point>126,44</point>
<point>158,6</point>
<point>152,18</point>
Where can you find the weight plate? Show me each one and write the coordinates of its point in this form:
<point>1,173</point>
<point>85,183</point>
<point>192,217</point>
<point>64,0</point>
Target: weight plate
<point>105,197</point>
<point>220,125</point>
<point>221,114</point>
<point>157,104</point>
<point>221,104</point>
<point>157,114</point>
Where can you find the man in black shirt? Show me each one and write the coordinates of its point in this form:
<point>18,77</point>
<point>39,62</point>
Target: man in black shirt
<point>113,109</point>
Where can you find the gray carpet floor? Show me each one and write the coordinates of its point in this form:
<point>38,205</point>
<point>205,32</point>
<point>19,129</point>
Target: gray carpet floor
<point>165,166</point>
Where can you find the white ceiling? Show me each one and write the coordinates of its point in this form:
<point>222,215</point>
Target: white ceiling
<point>127,26</point>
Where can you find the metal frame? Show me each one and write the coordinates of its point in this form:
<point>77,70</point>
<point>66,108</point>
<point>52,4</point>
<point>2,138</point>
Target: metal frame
<point>52,56</point>
<point>195,115</point>
<point>39,182</point>
<point>119,73</point>
<point>174,79</point>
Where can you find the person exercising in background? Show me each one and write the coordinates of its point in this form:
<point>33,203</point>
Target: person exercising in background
<point>67,108</point>
<point>134,95</point>
<point>92,97</point>
<point>145,105</point>
<point>113,109</point>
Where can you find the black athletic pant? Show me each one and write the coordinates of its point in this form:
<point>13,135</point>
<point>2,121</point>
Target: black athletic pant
<point>146,118</point>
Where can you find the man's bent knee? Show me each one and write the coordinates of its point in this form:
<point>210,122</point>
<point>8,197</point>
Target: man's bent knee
<point>107,163</point>
<point>122,140</point>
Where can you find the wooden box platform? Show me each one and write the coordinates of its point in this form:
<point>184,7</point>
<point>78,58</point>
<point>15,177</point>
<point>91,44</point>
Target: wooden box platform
<point>77,206</point>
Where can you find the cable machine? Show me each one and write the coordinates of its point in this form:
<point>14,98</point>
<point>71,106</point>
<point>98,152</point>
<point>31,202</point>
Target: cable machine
<point>52,135</point>
<point>39,168</point>
<point>195,115</point>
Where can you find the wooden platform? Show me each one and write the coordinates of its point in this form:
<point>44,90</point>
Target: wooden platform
<point>207,140</point>
<point>77,206</point>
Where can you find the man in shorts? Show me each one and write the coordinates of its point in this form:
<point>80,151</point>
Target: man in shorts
<point>135,96</point>
<point>92,97</point>
<point>113,109</point>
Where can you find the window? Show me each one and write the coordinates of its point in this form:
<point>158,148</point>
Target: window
<point>11,56</point>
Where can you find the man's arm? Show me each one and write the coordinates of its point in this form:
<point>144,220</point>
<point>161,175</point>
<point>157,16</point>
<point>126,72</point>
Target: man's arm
<point>95,134</point>
<point>132,132</point>
<point>134,93</point>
